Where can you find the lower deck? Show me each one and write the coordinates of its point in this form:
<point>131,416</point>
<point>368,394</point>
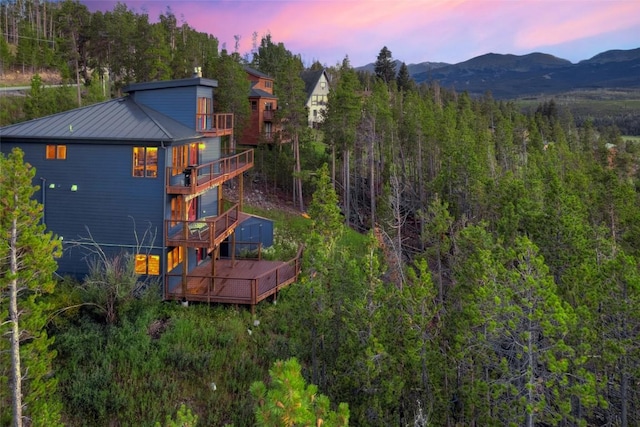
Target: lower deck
<point>230,281</point>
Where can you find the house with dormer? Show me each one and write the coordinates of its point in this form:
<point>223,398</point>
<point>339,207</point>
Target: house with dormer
<point>316,83</point>
<point>143,175</point>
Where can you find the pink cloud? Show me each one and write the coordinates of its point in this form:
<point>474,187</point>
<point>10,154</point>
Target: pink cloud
<point>414,30</point>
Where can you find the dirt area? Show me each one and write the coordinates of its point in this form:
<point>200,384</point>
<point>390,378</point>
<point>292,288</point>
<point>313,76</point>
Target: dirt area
<point>257,195</point>
<point>18,78</point>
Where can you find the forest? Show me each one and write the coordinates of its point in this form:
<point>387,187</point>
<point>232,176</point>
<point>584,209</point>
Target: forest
<point>466,263</point>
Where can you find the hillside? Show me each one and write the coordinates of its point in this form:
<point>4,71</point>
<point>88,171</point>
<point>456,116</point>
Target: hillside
<point>513,76</point>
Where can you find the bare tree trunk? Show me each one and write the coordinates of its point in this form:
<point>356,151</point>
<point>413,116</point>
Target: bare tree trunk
<point>347,188</point>
<point>298,171</point>
<point>372,184</point>
<point>15,327</point>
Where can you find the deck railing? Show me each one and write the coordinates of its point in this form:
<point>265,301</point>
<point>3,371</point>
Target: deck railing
<point>220,124</point>
<point>204,232</point>
<point>199,177</point>
<point>238,290</point>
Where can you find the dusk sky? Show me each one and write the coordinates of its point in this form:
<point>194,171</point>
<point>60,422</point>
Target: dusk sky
<point>413,30</point>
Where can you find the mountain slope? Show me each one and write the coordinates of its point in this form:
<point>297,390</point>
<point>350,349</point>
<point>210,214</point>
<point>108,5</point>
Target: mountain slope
<point>512,76</point>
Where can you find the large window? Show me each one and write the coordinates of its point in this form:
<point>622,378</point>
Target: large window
<point>177,210</point>
<point>148,264</point>
<point>179,159</point>
<point>58,152</point>
<point>204,113</point>
<point>174,257</point>
<point>145,162</point>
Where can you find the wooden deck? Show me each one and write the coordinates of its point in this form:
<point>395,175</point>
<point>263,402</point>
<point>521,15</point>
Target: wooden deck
<point>244,282</point>
<point>209,175</point>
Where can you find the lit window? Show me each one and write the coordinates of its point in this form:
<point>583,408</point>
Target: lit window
<point>145,162</point>
<point>58,152</point>
<point>147,264</point>
<point>204,113</point>
<point>179,159</point>
<point>323,85</point>
<point>176,210</point>
<point>174,257</point>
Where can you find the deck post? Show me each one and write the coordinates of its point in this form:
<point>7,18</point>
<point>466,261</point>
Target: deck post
<point>240,190</point>
<point>254,292</point>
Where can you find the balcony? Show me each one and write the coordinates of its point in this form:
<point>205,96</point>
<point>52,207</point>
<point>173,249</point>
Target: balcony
<point>206,232</point>
<point>233,281</point>
<point>215,124</point>
<point>203,177</point>
<point>268,115</point>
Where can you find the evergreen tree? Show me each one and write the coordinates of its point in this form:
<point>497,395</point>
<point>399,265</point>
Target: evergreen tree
<point>288,401</point>
<point>385,68</point>
<point>342,115</point>
<point>404,80</point>
<point>27,263</point>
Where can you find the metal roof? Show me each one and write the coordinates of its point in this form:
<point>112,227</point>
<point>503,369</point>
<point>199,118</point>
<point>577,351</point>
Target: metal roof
<point>165,84</point>
<point>310,79</point>
<point>257,73</point>
<point>259,93</point>
<point>119,119</point>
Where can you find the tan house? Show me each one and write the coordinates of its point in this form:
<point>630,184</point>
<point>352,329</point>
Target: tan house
<point>316,85</point>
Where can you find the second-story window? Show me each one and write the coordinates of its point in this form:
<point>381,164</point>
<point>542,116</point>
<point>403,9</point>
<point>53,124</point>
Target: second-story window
<point>145,162</point>
<point>268,84</point>
<point>254,105</point>
<point>204,113</point>
<point>58,152</point>
<point>268,106</point>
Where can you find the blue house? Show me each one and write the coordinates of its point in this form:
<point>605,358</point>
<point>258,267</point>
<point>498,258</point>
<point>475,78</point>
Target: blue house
<point>143,175</point>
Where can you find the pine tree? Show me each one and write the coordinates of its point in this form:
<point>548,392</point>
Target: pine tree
<point>288,401</point>
<point>28,264</point>
<point>385,68</point>
<point>404,81</point>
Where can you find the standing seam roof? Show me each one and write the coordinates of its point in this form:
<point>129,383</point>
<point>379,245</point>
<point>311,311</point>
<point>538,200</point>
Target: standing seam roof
<point>117,119</point>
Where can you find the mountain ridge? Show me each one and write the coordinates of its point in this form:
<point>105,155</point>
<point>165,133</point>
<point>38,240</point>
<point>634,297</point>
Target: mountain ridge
<point>512,76</point>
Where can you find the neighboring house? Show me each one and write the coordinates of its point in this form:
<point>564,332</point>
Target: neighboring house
<point>142,174</point>
<point>262,122</point>
<point>316,84</point>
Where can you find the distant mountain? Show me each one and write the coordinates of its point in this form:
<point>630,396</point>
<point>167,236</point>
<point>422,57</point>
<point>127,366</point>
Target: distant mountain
<point>512,76</point>
<point>413,68</point>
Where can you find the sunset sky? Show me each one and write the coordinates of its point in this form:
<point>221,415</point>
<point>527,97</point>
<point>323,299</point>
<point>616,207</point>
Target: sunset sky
<point>413,30</point>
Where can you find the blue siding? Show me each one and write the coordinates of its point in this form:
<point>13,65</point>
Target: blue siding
<point>178,103</point>
<point>256,229</point>
<point>109,207</point>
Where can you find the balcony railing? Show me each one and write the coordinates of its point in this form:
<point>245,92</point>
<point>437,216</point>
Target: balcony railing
<point>268,115</point>
<point>206,232</point>
<point>215,124</point>
<point>196,179</point>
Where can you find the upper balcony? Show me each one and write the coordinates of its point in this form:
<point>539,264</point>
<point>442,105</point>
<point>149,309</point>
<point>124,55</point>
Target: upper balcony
<point>215,124</point>
<point>199,178</point>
